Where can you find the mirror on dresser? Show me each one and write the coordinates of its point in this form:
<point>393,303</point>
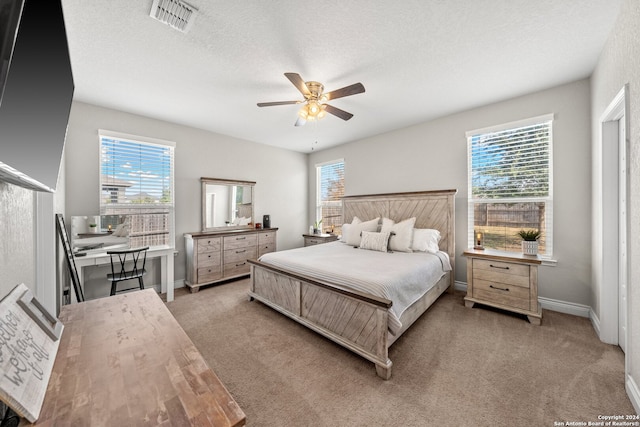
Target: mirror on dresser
<point>229,237</point>
<point>227,204</point>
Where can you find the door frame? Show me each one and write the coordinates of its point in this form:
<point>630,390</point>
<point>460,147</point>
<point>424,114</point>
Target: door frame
<point>606,214</point>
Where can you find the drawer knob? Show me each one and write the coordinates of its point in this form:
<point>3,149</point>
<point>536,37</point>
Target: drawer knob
<point>240,238</point>
<point>497,266</point>
<point>242,251</point>
<point>500,289</point>
<point>238,265</point>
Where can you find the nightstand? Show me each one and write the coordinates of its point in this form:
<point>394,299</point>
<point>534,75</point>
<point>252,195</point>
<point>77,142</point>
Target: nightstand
<point>318,239</point>
<point>504,280</point>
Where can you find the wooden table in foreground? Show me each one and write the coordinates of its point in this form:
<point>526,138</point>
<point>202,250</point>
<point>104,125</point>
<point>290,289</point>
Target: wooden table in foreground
<point>125,361</point>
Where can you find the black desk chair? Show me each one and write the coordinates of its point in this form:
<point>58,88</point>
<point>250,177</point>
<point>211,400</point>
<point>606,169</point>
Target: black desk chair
<point>121,272</point>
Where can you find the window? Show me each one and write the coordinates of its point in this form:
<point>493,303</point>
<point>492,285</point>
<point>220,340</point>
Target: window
<point>329,193</point>
<point>136,186</point>
<point>510,183</point>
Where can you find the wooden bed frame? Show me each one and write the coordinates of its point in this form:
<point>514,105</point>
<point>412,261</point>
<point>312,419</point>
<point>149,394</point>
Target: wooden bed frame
<point>356,320</point>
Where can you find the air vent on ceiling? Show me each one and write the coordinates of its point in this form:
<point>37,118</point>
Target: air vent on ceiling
<point>175,13</point>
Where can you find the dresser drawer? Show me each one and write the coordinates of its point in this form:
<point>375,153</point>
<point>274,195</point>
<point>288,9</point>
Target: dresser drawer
<point>209,274</point>
<point>501,272</point>
<point>265,249</point>
<point>239,254</point>
<point>242,241</point>
<point>236,268</point>
<point>267,238</point>
<point>501,293</point>
<point>209,259</point>
<point>209,245</point>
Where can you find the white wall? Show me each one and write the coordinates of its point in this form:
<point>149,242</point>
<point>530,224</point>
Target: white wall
<point>28,240</point>
<point>17,238</point>
<point>619,64</point>
<point>433,155</point>
<point>280,175</point>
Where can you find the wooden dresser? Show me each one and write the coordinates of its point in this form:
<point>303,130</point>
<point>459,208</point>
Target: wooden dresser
<point>504,280</point>
<point>125,361</point>
<point>214,256</point>
<point>318,239</point>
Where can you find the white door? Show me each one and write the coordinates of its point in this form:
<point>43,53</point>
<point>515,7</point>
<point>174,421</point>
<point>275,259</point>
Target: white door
<point>622,235</point>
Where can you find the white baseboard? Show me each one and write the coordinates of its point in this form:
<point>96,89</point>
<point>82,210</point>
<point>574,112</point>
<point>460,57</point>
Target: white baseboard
<point>550,304</point>
<point>633,392</point>
<point>565,307</point>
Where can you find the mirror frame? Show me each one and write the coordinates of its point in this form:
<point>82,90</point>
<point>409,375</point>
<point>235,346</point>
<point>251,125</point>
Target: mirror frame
<point>229,182</point>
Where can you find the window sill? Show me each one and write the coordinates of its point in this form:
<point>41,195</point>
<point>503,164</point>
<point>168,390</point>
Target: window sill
<point>549,262</point>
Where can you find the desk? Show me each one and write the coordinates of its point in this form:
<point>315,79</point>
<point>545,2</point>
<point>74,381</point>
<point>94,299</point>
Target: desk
<point>165,253</point>
<point>125,361</point>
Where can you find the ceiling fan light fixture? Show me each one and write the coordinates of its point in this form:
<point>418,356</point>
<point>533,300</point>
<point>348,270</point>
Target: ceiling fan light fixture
<point>312,111</point>
<point>313,108</point>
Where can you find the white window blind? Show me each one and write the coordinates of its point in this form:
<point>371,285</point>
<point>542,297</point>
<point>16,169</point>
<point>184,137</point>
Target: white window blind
<point>137,187</point>
<point>510,183</point>
<point>330,190</point>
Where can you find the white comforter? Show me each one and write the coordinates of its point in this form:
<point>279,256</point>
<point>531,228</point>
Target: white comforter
<point>400,277</point>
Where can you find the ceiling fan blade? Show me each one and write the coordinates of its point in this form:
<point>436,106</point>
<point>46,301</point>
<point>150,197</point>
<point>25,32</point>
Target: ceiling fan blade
<point>353,89</point>
<point>270,104</point>
<point>300,122</point>
<point>298,83</point>
<point>337,112</point>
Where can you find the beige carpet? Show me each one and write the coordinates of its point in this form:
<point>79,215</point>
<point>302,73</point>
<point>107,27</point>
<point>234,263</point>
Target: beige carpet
<point>454,367</point>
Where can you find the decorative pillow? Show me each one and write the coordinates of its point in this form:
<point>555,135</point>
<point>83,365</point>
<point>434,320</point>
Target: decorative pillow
<point>122,230</point>
<point>353,237</point>
<point>425,240</point>
<point>346,229</point>
<point>401,240</point>
<point>374,241</point>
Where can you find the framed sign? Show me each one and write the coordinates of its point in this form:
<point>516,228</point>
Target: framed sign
<point>29,340</point>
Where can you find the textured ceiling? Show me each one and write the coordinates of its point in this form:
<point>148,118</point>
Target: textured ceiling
<point>418,60</point>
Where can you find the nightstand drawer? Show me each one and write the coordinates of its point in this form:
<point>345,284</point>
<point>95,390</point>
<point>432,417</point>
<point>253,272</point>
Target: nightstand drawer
<point>501,272</point>
<point>501,293</point>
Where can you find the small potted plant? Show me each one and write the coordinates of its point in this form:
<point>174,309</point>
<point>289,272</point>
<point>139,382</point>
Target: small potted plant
<point>93,228</point>
<point>529,241</point>
<point>316,227</point>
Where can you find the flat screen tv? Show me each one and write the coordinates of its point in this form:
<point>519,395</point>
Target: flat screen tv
<point>37,90</point>
<point>10,12</point>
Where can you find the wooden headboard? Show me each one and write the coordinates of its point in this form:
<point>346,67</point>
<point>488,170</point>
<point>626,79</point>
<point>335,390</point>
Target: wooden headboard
<point>432,209</point>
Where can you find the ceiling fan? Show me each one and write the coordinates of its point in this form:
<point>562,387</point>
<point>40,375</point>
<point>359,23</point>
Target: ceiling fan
<point>315,99</point>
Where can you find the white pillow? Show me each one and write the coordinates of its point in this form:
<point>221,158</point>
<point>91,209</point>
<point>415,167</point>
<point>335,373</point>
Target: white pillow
<point>374,241</point>
<point>425,240</point>
<point>122,230</point>
<point>401,240</point>
<point>346,229</point>
<point>353,237</point>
